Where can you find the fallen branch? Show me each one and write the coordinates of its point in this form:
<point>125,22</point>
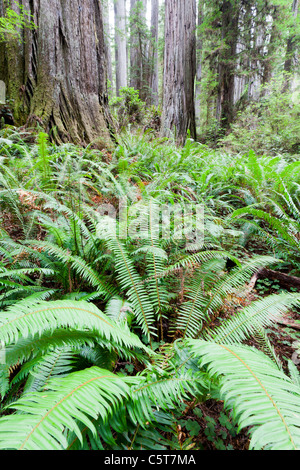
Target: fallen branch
<point>295,326</point>
<point>285,280</point>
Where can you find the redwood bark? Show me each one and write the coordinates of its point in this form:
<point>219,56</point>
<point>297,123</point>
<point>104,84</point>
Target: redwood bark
<point>179,69</point>
<point>57,76</point>
<point>199,46</point>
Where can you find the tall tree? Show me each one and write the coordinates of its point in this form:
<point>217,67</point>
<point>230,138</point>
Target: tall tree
<point>293,40</point>
<point>107,37</point>
<point>179,69</point>
<point>139,72</point>
<point>120,44</point>
<point>199,63</point>
<point>57,76</point>
<point>153,52</point>
<point>227,64</point>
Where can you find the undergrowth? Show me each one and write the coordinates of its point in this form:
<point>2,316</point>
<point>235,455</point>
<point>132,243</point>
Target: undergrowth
<point>116,339</point>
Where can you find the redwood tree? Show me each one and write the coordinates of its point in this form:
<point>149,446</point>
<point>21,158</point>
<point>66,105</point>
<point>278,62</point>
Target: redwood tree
<point>139,67</point>
<point>179,69</point>
<point>153,53</point>
<point>57,76</point>
<point>121,44</point>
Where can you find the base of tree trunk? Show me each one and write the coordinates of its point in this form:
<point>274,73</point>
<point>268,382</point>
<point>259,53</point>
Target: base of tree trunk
<point>56,78</point>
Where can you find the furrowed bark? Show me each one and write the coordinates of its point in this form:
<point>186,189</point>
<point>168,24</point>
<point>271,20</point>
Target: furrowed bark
<point>57,76</point>
<point>179,69</point>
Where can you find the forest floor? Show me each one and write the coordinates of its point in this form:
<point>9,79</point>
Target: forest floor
<point>207,426</point>
<point>216,431</point>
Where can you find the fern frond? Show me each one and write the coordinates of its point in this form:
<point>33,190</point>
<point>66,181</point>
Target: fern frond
<point>41,369</point>
<point>27,319</point>
<point>160,390</point>
<point>251,319</point>
<point>119,310</point>
<point>260,394</point>
<point>79,397</point>
<point>129,279</point>
<point>83,269</point>
<point>237,278</point>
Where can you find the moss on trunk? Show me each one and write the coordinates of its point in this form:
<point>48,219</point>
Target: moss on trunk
<point>57,77</point>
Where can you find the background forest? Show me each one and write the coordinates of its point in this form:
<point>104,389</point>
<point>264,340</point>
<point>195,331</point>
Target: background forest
<point>125,124</point>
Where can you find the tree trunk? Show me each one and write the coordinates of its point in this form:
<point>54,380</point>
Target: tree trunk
<point>107,37</point>
<point>153,54</point>
<point>138,55</point>
<point>227,64</point>
<point>199,64</point>
<point>121,47</point>
<point>179,69</point>
<point>58,76</point>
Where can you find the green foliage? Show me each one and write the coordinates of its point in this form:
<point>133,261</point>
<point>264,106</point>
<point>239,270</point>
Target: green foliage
<point>128,107</point>
<point>269,125</point>
<point>13,21</point>
<point>103,334</point>
<point>260,395</point>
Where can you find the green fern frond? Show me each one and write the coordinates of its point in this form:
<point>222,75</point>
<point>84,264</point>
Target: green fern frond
<point>201,304</point>
<point>236,279</point>
<point>160,390</point>
<point>27,319</point>
<point>83,269</point>
<point>81,396</point>
<point>129,278</point>
<point>262,396</point>
<point>41,369</point>
<point>251,319</point>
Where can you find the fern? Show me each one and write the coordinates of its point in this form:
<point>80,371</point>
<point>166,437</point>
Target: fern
<point>202,304</point>
<point>27,319</point>
<point>81,397</point>
<point>129,279</point>
<point>262,396</point>
<point>250,320</point>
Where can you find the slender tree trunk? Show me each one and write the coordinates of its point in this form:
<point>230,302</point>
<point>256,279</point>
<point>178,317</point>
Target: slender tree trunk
<point>57,76</point>
<point>227,63</point>
<point>121,47</point>
<point>179,69</point>
<point>107,37</point>
<point>153,54</point>
<point>138,54</point>
<point>199,65</point>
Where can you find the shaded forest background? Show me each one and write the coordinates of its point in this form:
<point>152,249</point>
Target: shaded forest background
<point>226,72</point>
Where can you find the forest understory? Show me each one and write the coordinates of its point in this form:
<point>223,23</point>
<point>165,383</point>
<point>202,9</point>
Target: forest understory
<point>50,200</point>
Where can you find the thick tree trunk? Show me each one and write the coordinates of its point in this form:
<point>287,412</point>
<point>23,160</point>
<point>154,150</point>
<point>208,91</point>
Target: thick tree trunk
<point>121,47</point>
<point>153,54</point>
<point>179,69</point>
<point>58,76</point>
